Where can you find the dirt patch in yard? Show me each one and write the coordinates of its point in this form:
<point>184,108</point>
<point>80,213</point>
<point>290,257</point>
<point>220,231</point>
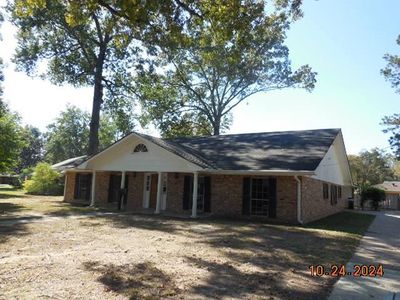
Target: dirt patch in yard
<point>149,257</point>
<point>140,281</point>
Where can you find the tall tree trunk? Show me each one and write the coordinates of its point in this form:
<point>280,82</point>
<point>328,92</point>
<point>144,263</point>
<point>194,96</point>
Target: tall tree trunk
<point>97,101</point>
<point>216,124</point>
<point>216,130</point>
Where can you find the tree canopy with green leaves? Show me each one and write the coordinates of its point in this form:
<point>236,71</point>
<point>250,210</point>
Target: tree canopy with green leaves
<point>392,126</point>
<point>392,70</point>
<point>371,167</point>
<point>392,123</point>
<point>68,136</point>
<point>32,151</point>
<point>103,43</point>
<point>11,139</point>
<point>82,44</point>
<point>236,49</point>
<point>11,136</point>
<point>2,105</point>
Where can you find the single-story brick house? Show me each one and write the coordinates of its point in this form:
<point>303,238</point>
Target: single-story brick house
<point>293,176</point>
<point>392,193</point>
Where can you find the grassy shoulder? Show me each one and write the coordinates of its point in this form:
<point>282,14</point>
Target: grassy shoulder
<point>341,235</point>
<point>346,222</point>
<point>8,191</point>
<point>14,201</point>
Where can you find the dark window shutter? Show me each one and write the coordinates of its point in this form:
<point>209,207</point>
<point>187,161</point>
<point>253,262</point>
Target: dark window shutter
<point>272,198</point>
<point>246,196</point>
<point>89,186</point>
<point>207,194</point>
<point>110,188</point>
<point>126,189</point>
<point>186,192</point>
<point>76,192</point>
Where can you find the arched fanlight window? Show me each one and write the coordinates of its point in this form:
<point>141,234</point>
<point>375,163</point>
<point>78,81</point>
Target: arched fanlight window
<point>140,148</point>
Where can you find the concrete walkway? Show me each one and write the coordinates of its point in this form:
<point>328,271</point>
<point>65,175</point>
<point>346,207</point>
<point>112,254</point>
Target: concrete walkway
<point>380,245</point>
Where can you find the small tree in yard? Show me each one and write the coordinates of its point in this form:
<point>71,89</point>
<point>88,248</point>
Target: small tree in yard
<point>45,181</point>
<point>374,194</point>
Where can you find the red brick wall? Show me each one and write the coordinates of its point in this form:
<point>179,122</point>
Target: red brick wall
<point>101,193</point>
<point>70,186</point>
<point>286,197</point>
<point>314,207</point>
<point>135,191</point>
<point>175,192</point>
<point>226,195</point>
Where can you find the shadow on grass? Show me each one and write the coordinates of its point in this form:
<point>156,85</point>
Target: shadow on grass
<point>69,209</point>
<point>228,281</point>
<point>139,281</point>
<point>148,222</point>
<point>8,207</point>
<point>10,196</point>
<point>348,222</point>
<point>11,226</point>
<point>9,189</point>
<point>272,251</point>
<point>7,231</point>
<point>269,250</point>
<point>7,192</point>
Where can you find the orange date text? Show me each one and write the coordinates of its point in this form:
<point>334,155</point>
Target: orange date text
<point>341,270</point>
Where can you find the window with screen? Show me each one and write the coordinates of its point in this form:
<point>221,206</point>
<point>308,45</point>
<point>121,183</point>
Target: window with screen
<point>260,196</point>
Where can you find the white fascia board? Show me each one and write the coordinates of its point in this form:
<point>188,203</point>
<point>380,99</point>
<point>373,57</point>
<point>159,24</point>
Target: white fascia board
<point>259,172</point>
<point>75,170</point>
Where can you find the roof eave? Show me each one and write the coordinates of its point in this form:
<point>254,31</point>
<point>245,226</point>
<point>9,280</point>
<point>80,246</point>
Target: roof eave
<point>261,172</point>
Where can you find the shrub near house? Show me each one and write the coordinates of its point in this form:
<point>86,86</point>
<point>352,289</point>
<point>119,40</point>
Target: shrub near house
<point>375,195</point>
<point>45,181</point>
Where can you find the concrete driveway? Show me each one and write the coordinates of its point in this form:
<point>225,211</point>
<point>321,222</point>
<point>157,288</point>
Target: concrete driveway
<point>380,245</point>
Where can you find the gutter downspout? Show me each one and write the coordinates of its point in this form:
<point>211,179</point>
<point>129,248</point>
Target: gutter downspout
<point>299,216</point>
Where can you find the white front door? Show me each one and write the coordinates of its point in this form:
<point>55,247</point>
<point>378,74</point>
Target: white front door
<point>164,191</point>
<point>146,190</point>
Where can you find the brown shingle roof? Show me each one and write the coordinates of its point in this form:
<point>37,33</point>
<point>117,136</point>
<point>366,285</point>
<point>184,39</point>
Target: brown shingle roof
<point>389,186</point>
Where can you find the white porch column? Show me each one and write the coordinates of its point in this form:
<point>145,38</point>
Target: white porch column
<point>159,192</point>
<point>195,188</point>
<point>122,187</point>
<point>92,200</point>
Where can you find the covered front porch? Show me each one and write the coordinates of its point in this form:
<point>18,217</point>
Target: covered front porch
<point>147,192</point>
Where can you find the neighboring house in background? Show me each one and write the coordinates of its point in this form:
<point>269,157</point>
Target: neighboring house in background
<point>293,176</point>
<point>9,179</point>
<point>392,193</point>
<point>69,163</point>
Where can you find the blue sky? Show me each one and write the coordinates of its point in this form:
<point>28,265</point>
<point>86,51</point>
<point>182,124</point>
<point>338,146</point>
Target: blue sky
<point>343,40</point>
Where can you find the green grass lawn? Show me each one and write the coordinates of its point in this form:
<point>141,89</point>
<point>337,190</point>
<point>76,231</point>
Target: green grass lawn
<point>347,222</point>
<point>8,191</point>
<point>14,201</point>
